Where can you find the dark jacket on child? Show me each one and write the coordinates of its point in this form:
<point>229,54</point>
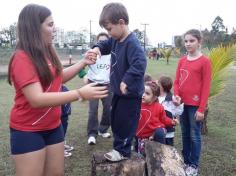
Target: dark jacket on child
<point>66,108</point>
<point>168,113</point>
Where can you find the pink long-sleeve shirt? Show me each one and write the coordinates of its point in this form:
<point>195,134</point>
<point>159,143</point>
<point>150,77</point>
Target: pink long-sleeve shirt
<point>193,80</point>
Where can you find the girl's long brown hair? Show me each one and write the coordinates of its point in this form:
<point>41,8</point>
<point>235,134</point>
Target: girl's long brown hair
<point>29,39</point>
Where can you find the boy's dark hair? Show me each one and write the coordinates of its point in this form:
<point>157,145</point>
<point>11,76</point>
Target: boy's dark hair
<point>102,34</point>
<point>112,13</point>
<point>194,32</point>
<point>154,87</point>
<point>166,82</point>
<point>147,78</point>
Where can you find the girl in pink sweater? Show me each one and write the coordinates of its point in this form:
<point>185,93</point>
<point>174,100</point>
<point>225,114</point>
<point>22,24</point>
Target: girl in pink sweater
<point>153,119</point>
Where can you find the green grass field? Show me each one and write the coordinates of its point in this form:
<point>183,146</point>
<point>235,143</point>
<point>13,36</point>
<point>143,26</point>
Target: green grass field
<point>219,146</point>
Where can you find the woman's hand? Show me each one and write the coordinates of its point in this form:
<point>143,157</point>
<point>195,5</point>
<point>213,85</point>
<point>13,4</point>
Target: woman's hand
<point>91,91</point>
<point>92,55</point>
<point>90,58</point>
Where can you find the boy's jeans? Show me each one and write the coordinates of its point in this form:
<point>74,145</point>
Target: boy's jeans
<point>191,135</point>
<point>125,115</point>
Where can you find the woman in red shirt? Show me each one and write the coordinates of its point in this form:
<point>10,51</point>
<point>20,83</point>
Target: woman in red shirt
<point>192,87</point>
<point>37,140</point>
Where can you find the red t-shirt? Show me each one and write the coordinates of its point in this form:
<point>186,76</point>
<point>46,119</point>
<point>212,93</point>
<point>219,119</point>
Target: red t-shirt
<point>152,116</point>
<point>193,80</point>
<point>24,117</point>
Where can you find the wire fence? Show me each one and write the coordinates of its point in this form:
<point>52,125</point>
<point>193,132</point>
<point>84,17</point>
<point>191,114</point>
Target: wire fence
<point>66,55</point>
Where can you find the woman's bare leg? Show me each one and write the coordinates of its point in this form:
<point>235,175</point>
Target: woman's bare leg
<point>30,164</point>
<point>54,164</point>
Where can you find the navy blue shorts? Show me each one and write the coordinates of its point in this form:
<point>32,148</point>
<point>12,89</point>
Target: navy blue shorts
<point>26,141</point>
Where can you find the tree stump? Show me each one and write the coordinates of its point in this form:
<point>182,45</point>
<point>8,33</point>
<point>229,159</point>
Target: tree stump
<point>135,166</point>
<point>163,160</point>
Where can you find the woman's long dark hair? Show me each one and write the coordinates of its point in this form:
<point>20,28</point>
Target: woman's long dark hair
<point>29,39</point>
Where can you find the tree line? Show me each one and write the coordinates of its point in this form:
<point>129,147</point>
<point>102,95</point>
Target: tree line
<point>211,38</point>
<point>218,35</point>
<point>8,36</point>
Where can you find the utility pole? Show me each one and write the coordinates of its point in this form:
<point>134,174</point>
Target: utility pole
<point>90,33</point>
<point>144,37</point>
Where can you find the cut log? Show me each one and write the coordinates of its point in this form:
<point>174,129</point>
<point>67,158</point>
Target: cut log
<point>163,160</point>
<point>135,166</point>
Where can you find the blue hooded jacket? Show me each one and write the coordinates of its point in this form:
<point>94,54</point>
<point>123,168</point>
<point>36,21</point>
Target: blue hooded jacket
<point>128,64</point>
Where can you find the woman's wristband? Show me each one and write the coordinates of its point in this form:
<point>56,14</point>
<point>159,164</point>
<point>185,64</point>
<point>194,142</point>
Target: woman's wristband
<point>80,97</point>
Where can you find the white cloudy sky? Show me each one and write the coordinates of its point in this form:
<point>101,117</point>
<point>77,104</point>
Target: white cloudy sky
<point>166,18</point>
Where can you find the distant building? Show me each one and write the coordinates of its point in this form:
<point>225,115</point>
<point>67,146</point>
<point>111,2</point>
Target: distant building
<point>76,39</point>
<point>60,37</point>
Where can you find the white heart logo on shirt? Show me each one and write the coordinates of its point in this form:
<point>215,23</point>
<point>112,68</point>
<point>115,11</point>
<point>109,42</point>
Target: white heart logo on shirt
<point>183,76</point>
<point>148,112</point>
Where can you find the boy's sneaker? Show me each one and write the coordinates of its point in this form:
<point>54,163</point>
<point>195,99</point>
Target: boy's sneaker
<point>192,170</point>
<point>68,148</point>
<point>91,140</point>
<point>114,156</point>
<point>67,154</point>
<point>104,135</point>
